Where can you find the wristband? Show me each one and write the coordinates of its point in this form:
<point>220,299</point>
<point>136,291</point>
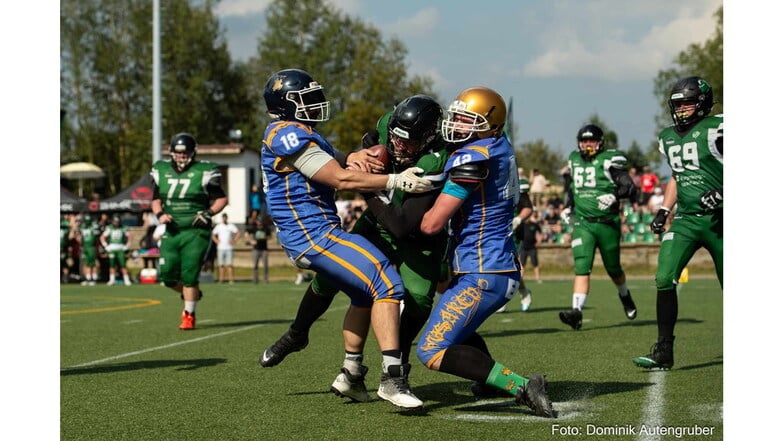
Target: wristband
<point>391,182</point>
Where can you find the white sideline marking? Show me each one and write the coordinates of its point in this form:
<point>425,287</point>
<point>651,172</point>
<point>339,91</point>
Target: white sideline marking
<point>652,413</point>
<point>171,345</point>
<point>157,348</point>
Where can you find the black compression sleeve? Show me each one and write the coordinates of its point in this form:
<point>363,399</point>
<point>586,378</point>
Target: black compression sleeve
<point>401,221</point>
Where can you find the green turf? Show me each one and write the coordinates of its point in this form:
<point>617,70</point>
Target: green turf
<point>128,373</point>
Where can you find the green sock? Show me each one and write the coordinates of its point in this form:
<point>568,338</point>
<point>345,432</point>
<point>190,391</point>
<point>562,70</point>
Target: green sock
<point>505,379</point>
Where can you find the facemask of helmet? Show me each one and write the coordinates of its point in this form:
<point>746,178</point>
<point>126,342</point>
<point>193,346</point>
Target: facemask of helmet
<point>292,94</point>
<point>413,128</point>
<point>690,90</point>
<point>476,113</point>
<point>182,150</point>
<point>590,141</point>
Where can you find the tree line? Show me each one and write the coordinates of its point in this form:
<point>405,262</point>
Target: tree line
<point>106,80</point>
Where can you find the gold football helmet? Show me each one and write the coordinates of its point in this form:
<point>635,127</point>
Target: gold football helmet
<point>476,112</point>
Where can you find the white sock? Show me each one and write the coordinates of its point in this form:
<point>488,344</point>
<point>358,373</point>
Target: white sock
<point>578,300</point>
<point>623,290</point>
<point>352,363</point>
<point>190,306</point>
<point>390,361</point>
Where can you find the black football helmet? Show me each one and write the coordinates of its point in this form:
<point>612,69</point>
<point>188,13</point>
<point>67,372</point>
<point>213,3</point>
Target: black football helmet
<point>590,132</point>
<point>690,90</point>
<point>182,143</point>
<point>413,128</point>
<point>292,94</point>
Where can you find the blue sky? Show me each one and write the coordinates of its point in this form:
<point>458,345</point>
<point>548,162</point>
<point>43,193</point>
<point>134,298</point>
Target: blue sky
<point>560,60</point>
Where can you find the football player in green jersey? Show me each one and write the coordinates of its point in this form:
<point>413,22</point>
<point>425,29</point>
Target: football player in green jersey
<point>694,148</point>
<point>186,194</point>
<point>87,236</point>
<point>597,179</point>
<point>116,240</point>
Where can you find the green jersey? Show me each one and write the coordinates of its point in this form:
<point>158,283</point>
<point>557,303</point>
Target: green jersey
<point>432,162</point>
<point>697,162</point>
<point>592,179</point>
<point>116,235</point>
<point>89,234</point>
<point>183,194</point>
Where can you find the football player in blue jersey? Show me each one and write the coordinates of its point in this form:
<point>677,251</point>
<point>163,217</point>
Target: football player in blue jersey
<point>301,171</point>
<point>478,201</point>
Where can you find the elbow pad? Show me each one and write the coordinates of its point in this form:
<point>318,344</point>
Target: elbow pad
<point>473,172</point>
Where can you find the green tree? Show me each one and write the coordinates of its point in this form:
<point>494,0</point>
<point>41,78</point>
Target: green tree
<point>705,60</point>
<point>363,75</point>
<point>539,155</point>
<point>106,82</point>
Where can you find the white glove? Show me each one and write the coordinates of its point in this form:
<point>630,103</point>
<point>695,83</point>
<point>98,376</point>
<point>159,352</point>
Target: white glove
<point>516,221</point>
<point>606,200</point>
<point>566,215</point>
<point>409,182</point>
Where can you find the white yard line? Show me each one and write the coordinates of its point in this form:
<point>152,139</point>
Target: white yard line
<point>157,348</point>
<point>653,412</point>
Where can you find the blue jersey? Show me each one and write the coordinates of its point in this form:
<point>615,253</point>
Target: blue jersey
<point>303,210</point>
<point>482,227</point>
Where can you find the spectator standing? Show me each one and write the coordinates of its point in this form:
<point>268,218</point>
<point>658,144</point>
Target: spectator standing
<point>648,182</point>
<point>529,233</point>
<point>256,204</point>
<point>225,235</point>
<point>538,187</point>
<point>656,201</point>
<point>66,234</point>
<point>116,239</point>
<point>256,236</point>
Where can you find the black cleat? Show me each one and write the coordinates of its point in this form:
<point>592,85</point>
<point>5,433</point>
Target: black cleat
<point>285,345</point>
<point>534,395</point>
<point>573,318</point>
<point>628,306</point>
<point>660,357</point>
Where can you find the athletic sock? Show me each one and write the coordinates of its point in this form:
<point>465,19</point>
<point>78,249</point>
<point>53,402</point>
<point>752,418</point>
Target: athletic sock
<point>578,300</point>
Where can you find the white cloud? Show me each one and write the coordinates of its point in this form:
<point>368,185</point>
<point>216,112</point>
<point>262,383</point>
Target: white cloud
<point>227,8</point>
<point>421,23</point>
<point>611,53</point>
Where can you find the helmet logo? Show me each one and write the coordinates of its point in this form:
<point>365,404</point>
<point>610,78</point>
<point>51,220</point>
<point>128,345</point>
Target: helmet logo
<point>400,132</point>
<point>277,84</point>
<point>703,85</point>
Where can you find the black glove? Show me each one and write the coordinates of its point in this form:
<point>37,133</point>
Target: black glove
<point>203,219</point>
<point>711,199</point>
<point>657,225</point>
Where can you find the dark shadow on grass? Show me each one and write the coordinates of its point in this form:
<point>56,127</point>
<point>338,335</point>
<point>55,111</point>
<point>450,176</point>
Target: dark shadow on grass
<point>701,365</point>
<point>241,324</point>
<point>180,365</point>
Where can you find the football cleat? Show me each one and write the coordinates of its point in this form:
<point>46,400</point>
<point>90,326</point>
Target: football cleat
<point>396,390</point>
<point>501,309</point>
<point>351,386</point>
<point>661,356</point>
<point>285,345</point>
<point>573,318</point>
<point>525,301</point>
<point>188,321</point>
<point>534,395</point>
<point>628,306</point>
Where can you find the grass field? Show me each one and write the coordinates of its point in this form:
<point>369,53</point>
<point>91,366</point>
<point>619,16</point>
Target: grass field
<point>128,373</point>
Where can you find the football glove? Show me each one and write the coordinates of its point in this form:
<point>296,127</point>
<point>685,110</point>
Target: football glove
<point>409,182</point>
<point>566,215</point>
<point>516,221</point>
<point>202,219</point>
<point>711,199</point>
<point>657,225</point>
<point>606,200</point>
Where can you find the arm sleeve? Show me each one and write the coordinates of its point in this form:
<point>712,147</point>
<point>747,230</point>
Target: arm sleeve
<point>568,196</point>
<point>214,189</point>
<point>310,160</point>
<point>625,185</point>
<point>401,221</point>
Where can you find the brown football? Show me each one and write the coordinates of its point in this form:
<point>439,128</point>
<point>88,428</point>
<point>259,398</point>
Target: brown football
<point>383,154</point>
